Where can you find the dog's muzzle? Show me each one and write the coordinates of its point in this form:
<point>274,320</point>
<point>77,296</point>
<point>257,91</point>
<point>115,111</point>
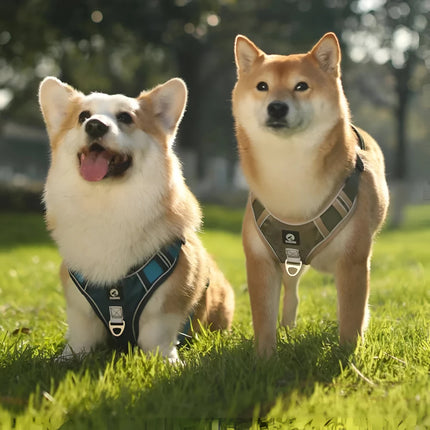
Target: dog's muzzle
<point>96,162</point>
<point>277,114</point>
<point>96,128</point>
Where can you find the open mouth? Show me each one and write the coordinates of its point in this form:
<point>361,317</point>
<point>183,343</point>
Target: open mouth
<point>97,163</point>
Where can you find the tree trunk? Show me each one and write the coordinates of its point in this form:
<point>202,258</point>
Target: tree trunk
<point>399,192</point>
<point>189,63</point>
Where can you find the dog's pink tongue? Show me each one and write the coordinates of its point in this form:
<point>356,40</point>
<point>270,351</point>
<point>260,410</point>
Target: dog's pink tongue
<point>95,165</point>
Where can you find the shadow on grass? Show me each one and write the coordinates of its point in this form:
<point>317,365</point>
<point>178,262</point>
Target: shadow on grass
<point>24,371</point>
<point>228,387</point>
<point>222,218</point>
<point>29,374</point>
<point>28,228</point>
<point>20,229</point>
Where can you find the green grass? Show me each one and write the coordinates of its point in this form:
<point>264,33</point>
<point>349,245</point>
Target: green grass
<point>311,382</point>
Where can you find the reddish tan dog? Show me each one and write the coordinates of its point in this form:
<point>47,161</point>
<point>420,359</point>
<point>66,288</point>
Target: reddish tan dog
<point>125,222</point>
<point>318,192</point>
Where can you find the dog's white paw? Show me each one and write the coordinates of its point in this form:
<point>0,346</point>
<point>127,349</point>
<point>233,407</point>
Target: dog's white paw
<point>173,357</point>
<point>69,354</point>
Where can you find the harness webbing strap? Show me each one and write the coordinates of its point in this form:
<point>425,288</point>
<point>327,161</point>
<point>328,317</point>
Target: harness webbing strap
<point>361,143</point>
<point>119,306</point>
<point>300,242</point>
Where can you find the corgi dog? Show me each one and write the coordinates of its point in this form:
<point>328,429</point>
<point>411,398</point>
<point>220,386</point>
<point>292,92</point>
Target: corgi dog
<point>317,184</point>
<point>125,222</point>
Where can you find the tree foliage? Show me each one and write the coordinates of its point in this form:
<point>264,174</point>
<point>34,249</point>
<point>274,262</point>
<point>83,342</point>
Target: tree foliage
<point>126,46</point>
<point>393,33</point>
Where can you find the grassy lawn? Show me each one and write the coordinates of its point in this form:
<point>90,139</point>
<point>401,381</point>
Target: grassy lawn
<point>311,383</point>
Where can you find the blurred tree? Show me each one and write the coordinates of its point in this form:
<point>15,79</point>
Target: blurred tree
<point>125,46</point>
<point>96,45</point>
<point>277,26</point>
<point>393,33</point>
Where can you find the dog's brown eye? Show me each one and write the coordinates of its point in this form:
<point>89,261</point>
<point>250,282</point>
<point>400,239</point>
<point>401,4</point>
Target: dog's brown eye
<point>301,86</point>
<point>124,117</point>
<point>262,86</point>
<point>83,116</point>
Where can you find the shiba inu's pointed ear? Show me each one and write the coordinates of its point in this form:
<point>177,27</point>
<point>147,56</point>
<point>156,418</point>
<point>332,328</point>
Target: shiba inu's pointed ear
<point>168,102</point>
<point>327,53</point>
<point>246,53</point>
<point>54,100</point>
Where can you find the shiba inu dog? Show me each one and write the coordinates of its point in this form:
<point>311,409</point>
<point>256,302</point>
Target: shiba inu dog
<point>318,192</point>
<point>125,222</point>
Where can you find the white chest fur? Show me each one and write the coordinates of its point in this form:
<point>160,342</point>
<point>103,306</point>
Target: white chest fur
<point>103,229</point>
<point>288,183</point>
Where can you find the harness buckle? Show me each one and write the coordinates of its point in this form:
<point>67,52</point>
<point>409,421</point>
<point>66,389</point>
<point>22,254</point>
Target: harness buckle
<point>116,322</point>
<point>293,262</point>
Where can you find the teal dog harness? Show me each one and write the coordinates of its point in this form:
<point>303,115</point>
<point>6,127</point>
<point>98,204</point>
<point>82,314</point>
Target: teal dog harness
<point>296,244</point>
<point>119,306</point>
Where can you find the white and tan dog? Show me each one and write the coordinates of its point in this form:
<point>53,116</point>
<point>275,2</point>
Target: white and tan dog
<point>310,173</point>
<point>115,196</point>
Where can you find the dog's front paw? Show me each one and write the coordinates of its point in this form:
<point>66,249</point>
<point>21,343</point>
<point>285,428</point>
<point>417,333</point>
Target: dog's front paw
<point>176,362</point>
<point>173,357</point>
<point>69,354</point>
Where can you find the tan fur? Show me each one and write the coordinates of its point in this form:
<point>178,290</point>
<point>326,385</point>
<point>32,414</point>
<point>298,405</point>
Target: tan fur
<point>295,172</point>
<point>104,228</point>
<point>213,307</point>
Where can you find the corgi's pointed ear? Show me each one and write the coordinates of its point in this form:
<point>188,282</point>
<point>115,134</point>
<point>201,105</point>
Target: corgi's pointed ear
<point>246,53</point>
<point>168,103</point>
<point>327,54</point>
<point>54,100</point>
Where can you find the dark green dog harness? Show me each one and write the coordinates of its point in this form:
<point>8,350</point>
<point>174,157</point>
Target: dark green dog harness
<point>119,306</point>
<point>297,244</point>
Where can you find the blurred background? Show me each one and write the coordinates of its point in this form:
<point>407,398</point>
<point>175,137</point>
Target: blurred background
<point>126,46</point>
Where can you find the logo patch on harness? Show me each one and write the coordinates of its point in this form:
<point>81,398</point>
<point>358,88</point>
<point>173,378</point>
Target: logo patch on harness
<point>114,293</point>
<point>290,237</point>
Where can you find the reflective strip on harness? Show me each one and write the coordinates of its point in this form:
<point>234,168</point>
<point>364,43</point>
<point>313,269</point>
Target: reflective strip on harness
<point>119,306</point>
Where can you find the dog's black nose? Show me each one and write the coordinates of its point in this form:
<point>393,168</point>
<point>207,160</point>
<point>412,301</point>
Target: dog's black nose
<point>95,128</point>
<point>277,109</point>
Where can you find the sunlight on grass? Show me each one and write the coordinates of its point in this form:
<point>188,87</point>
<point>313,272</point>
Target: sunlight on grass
<point>310,383</point>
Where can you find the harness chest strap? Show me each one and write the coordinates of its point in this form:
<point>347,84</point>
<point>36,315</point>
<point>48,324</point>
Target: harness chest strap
<point>297,244</point>
<point>119,306</point>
